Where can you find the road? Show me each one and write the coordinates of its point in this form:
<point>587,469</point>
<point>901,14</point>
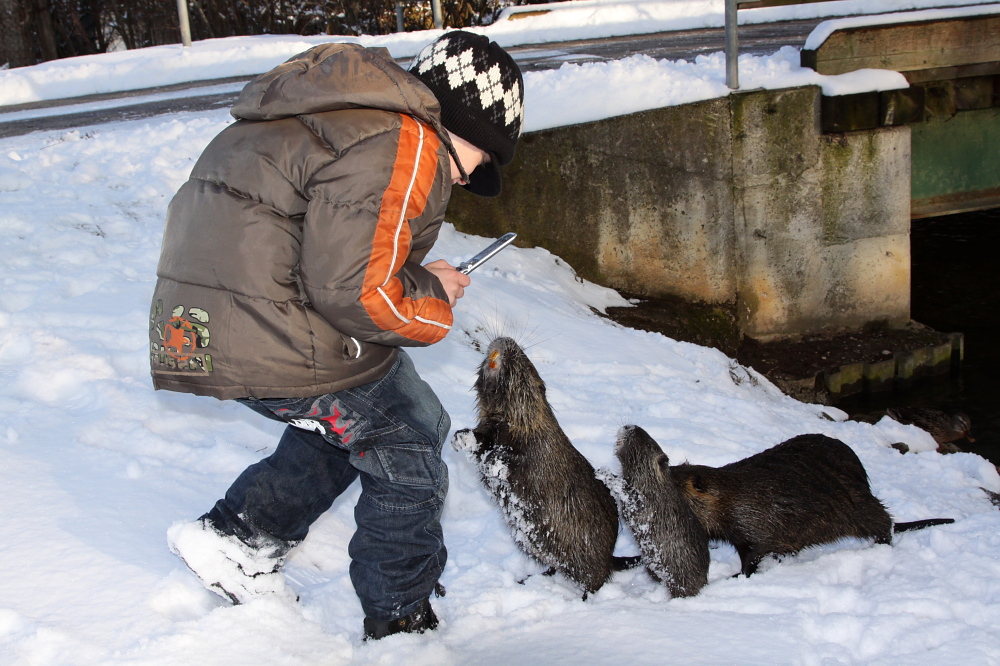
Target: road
<point>760,39</point>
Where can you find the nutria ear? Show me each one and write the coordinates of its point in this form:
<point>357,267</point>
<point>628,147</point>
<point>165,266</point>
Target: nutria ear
<point>697,482</point>
<point>663,462</point>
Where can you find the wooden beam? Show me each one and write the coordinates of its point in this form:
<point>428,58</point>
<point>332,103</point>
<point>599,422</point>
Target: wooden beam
<point>956,72</point>
<point>513,16</point>
<point>961,202</point>
<point>909,46</point>
<point>849,113</point>
<point>754,4</point>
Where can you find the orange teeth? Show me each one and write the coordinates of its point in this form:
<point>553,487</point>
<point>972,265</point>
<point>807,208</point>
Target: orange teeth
<point>493,359</point>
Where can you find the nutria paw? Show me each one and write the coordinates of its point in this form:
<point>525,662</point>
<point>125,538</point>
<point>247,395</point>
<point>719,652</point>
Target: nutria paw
<point>464,440</point>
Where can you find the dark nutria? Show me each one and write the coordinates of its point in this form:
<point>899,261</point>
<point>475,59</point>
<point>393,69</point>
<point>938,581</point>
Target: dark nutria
<point>946,429</point>
<point>809,490</point>
<point>673,543</point>
<point>557,510</point>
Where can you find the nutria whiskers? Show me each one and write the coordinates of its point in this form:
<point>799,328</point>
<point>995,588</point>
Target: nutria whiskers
<point>556,509</point>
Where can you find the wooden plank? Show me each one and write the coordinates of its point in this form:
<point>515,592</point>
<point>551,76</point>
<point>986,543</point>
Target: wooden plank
<point>946,73</point>
<point>900,107</point>
<point>513,16</point>
<point>754,4</point>
<point>961,202</point>
<point>909,46</point>
<point>849,113</point>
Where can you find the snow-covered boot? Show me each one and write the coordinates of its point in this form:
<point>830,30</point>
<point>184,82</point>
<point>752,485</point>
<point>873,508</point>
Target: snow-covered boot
<point>421,620</point>
<point>226,565</point>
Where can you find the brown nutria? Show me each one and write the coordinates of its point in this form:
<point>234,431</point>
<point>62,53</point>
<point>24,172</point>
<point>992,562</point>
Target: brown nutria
<point>556,509</point>
<point>946,429</point>
<point>673,543</point>
<point>809,490</point>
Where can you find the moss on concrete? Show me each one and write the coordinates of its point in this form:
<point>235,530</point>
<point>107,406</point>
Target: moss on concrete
<point>699,323</point>
<point>724,202</point>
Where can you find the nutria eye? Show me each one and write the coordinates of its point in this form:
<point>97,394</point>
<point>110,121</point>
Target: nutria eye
<point>663,463</point>
<point>698,483</point>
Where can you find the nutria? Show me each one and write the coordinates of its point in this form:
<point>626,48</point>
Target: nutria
<point>946,429</point>
<point>809,490</point>
<point>556,509</point>
<point>673,543</point>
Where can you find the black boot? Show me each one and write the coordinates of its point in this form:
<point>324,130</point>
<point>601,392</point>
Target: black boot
<point>421,620</point>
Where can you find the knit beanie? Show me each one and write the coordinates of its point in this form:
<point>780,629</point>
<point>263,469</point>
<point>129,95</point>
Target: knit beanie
<point>481,93</point>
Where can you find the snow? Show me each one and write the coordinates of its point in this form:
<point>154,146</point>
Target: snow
<point>245,56</point>
<point>95,466</point>
<point>826,28</point>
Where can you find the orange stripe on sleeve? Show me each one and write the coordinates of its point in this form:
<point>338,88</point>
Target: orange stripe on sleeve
<point>425,319</point>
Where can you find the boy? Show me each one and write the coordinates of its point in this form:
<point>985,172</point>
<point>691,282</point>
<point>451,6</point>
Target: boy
<point>289,279</point>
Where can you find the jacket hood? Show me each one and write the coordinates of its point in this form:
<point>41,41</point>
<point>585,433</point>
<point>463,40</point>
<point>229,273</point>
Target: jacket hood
<point>331,77</point>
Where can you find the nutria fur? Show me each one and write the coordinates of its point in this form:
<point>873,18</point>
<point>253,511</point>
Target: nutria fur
<point>556,509</point>
<point>809,490</point>
<point>673,543</point>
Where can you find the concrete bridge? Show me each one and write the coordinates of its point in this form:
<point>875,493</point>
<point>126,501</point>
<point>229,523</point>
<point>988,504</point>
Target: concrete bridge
<point>790,208</point>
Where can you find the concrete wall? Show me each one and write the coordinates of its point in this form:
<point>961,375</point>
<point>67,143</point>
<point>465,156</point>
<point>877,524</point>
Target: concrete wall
<point>738,201</point>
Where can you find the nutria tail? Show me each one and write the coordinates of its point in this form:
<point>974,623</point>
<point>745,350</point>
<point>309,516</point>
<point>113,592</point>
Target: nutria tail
<point>622,563</point>
<point>921,524</point>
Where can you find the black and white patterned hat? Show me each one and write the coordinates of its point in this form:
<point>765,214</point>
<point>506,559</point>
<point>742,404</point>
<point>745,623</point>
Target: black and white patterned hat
<point>481,93</point>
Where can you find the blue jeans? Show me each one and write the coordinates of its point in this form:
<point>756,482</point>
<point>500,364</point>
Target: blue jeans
<point>389,433</point>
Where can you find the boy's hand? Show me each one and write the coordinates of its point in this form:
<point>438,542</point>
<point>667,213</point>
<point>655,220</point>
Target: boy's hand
<point>454,283</point>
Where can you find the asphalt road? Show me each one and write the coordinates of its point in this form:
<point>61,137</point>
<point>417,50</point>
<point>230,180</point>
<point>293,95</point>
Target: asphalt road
<point>112,107</point>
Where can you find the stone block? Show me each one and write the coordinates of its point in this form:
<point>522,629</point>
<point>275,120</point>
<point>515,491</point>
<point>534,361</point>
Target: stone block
<point>906,368</point>
<point>860,185</point>
<point>922,359</point>
<point>852,379</point>
<point>832,381</point>
<point>957,350</point>
<point>880,376</point>
<point>940,359</point>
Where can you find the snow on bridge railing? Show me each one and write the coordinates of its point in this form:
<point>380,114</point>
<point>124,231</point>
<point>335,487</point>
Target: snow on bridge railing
<point>732,42</point>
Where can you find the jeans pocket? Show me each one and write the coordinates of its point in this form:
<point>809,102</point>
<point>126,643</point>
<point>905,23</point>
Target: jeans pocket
<point>407,464</point>
<point>326,415</point>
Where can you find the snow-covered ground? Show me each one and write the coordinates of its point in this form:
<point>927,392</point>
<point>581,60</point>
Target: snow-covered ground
<point>96,465</point>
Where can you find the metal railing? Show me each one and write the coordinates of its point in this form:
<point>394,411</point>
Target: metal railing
<point>182,18</point>
<point>732,43</point>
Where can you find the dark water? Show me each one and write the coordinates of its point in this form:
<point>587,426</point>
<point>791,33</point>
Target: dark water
<point>956,287</point>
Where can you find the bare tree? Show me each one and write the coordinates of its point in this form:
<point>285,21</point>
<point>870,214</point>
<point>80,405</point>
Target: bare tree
<point>36,30</point>
<point>15,46</point>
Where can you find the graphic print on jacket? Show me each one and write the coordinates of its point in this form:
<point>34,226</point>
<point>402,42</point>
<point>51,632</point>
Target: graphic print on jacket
<point>180,338</point>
